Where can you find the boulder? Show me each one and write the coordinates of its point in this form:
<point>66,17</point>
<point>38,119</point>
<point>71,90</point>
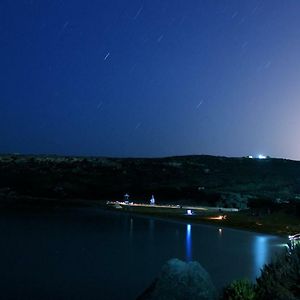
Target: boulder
<point>181,280</point>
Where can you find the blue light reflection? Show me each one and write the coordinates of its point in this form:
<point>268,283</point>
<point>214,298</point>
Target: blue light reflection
<point>188,242</point>
<point>261,253</point>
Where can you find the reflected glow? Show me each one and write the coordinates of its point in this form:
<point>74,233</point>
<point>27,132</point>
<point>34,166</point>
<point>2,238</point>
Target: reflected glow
<point>283,246</point>
<point>151,229</point>
<point>151,225</point>
<point>220,231</point>
<point>188,242</point>
<point>217,218</point>
<point>261,253</point>
<point>131,228</point>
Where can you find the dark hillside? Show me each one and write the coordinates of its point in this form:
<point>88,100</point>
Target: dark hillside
<point>198,179</point>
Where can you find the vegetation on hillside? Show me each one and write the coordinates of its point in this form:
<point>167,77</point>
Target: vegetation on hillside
<point>202,179</point>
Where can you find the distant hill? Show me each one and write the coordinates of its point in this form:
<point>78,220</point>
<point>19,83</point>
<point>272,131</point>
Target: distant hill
<point>196,179</point>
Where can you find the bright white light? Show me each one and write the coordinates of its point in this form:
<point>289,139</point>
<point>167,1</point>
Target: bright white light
<point>295,237</point>
<point>260,156</point>
<point>250,156</point>
<point>189,212</point>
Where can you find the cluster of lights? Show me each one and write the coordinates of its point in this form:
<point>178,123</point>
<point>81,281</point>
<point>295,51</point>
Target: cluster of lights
<point>295,237</point>
<point>140,204</point>
<point>259,156</point>
<point>294,240</point>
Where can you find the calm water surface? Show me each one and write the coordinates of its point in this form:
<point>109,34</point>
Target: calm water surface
<point>94,254</point>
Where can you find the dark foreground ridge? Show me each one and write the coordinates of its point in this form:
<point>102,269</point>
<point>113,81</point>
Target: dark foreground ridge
<point>205,180</point>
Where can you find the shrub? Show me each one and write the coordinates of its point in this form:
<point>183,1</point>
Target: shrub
<point>239,290</point>
<point>280,280</point>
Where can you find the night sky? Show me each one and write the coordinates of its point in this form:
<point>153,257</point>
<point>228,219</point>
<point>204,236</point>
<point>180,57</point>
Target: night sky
<point>150,78</point>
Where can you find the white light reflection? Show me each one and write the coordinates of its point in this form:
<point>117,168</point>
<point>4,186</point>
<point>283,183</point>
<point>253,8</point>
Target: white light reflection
<point>188,242</point>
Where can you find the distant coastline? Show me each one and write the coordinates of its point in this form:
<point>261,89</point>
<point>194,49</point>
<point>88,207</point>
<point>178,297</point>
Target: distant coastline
<point>265,191</point>
<point>242,220</point>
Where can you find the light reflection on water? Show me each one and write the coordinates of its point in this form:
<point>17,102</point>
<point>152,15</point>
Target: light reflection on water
<point>131,229</point>
<point>116,245</point>
<point>151,230</point>
<point>260,253</point>
<point>188,242</point>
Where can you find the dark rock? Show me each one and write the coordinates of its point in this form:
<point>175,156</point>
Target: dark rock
<point>181,280</point>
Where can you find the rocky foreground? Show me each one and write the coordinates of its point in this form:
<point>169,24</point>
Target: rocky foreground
<point>181,280</point>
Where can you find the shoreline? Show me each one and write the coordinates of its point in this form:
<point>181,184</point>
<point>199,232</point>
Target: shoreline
<point>276,223</point>
<point>241,220</point>
<point>196,221</point>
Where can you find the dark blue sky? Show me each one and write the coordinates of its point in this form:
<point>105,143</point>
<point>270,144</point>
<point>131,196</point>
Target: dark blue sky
<point>150,78</point>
